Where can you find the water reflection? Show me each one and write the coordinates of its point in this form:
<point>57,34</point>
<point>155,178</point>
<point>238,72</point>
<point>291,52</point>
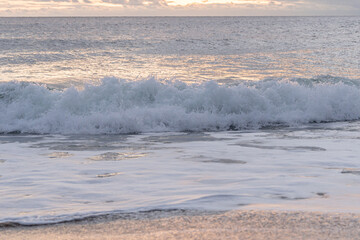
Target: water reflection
<point>75,51</point>
<point>115,156</point>
<point>226,69</point>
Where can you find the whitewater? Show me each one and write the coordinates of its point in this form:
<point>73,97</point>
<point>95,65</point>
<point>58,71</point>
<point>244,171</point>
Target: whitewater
<point>118,107</point>
<point>111,116</point>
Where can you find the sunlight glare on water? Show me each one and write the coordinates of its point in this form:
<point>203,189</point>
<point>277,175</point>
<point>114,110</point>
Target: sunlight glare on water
<point>76,51</point>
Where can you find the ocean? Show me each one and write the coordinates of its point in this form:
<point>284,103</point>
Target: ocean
<point>102,116</point>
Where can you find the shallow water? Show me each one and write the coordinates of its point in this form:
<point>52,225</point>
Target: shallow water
<point>53,178</point>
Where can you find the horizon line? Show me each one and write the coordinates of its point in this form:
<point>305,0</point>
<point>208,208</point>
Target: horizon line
<point>115,16</point>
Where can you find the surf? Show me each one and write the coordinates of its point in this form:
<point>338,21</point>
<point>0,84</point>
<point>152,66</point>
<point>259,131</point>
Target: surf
<point>117,106</point>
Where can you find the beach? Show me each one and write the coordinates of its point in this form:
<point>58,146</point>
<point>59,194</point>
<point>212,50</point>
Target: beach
<point>200,225</point>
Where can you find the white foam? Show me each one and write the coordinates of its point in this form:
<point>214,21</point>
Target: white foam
<point>119,106</point>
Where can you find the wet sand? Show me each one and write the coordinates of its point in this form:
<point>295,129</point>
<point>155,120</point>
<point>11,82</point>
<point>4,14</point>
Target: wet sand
<point>248,224</point>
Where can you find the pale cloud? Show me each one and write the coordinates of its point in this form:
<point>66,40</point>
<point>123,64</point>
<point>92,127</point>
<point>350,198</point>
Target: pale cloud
<point>177,7</point>
<point>225,2</point>
<point>136,2</point>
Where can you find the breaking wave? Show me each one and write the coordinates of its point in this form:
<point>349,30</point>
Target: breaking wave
<point>118,106</point>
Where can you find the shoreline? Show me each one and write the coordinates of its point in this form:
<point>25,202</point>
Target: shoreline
<point>193,224</point>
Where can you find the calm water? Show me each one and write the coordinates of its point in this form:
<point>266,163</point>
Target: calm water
<point>106,115</point>
<point>225,49</point>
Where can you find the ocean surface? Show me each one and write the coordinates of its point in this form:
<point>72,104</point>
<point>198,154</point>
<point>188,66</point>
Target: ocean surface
<point>116,115</point>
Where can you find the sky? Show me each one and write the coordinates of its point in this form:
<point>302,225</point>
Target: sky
<point>178,7</point>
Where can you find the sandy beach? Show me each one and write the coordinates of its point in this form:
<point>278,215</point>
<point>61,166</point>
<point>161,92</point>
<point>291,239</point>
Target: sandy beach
<point>199,225</point>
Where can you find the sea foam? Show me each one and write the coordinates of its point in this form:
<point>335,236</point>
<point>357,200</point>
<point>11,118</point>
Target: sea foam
<point>118,106</point>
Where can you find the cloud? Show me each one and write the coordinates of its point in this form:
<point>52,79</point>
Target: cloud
<point>48,1</point>
<point>177,7</point>
<point>136,2</point>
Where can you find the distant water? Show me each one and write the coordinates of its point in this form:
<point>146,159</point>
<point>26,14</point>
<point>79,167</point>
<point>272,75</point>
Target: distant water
<point>108,115</point>
<point>76,51</point>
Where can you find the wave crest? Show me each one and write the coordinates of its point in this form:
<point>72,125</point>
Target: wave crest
<point>119,106</point>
